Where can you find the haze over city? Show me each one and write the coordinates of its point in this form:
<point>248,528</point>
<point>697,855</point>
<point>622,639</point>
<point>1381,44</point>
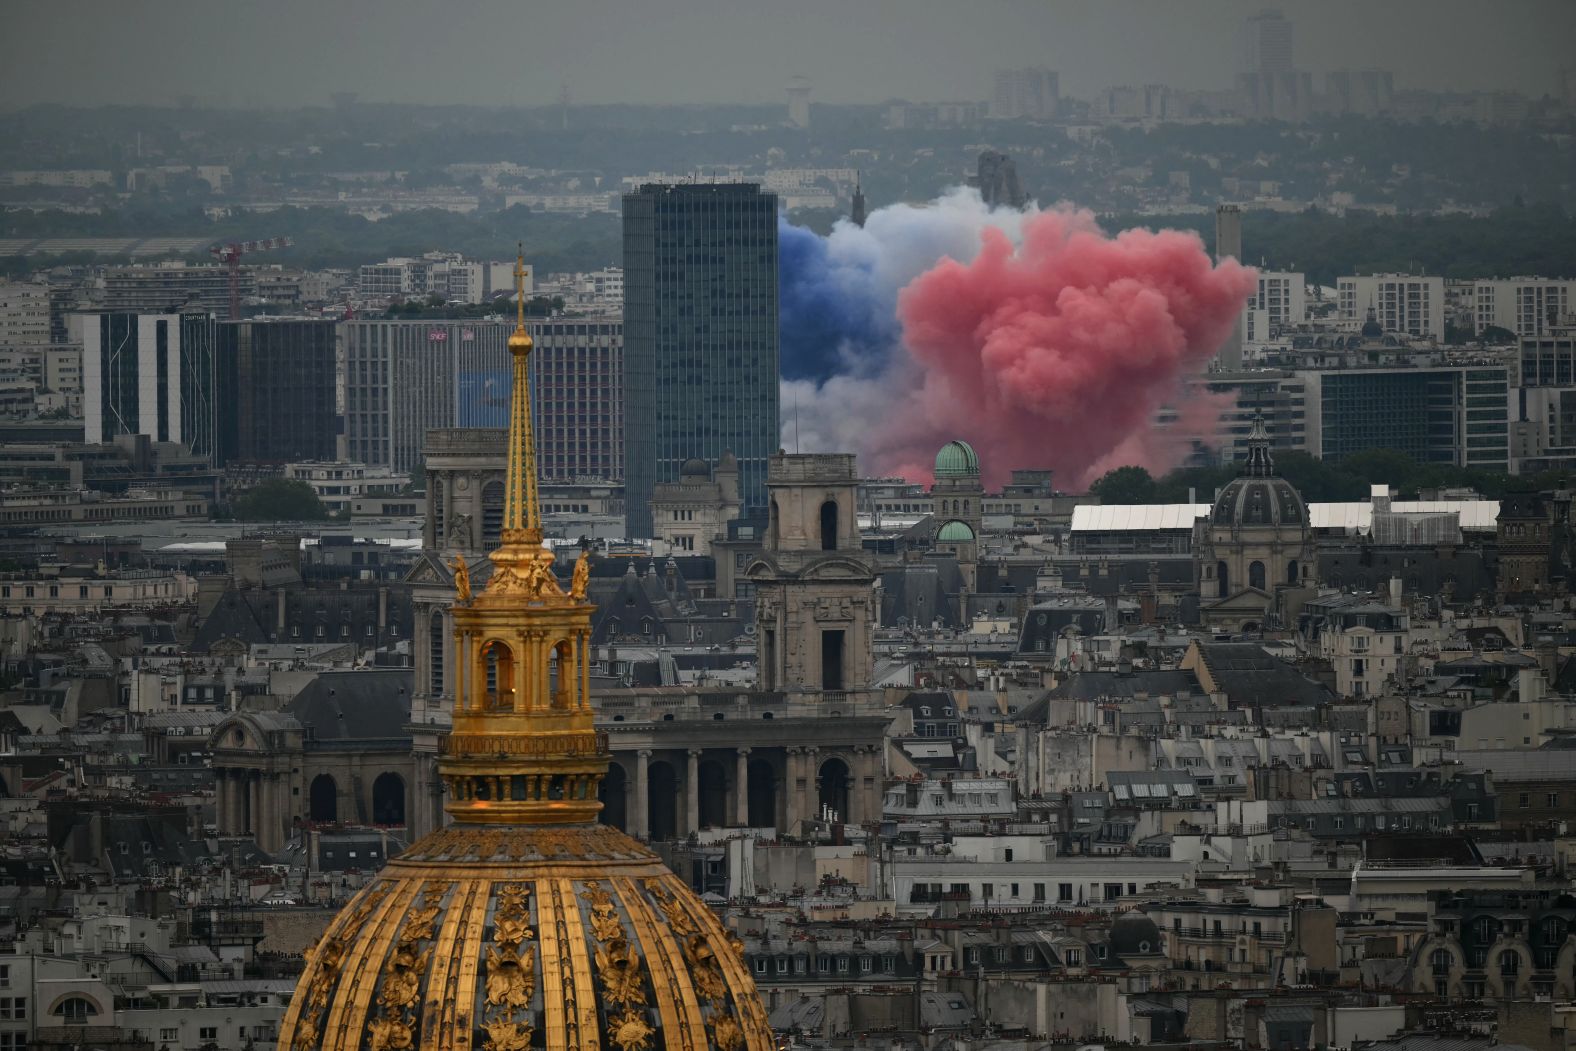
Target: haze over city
<point>796,526</point>
<point>498,53</point>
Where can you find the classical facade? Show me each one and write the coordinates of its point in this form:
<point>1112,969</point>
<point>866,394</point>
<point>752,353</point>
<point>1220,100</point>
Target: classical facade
<point>1256,541</point>
<point>684,761</point>
<point>336,754</point>
<point>815,606</point>
<point>692,511</point>
<point>1498,945</point>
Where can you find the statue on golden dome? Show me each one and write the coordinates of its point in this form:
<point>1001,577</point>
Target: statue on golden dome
<point>582,575</point>
<point>462,578</point>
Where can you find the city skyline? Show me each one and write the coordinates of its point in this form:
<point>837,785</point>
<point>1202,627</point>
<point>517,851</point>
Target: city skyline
<point>702,51</point>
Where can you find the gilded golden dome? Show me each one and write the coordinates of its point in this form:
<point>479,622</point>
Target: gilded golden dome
<point>512,938</point>
<point>524,924</point>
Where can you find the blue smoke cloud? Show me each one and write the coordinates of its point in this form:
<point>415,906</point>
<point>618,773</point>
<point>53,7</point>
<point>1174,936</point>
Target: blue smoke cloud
<point>838,294</point>
<point>835,317</point>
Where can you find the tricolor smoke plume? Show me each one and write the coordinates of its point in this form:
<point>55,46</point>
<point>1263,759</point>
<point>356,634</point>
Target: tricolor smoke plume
<point>1032,335</point>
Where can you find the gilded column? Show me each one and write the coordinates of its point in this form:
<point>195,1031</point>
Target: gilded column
<point>692,792</point>
<point>641,825</point>
<point>741,788</point>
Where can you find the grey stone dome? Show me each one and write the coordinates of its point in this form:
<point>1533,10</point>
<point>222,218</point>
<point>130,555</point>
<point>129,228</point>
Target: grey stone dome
<point>1134,934</point>
<point>1260,502</point>
<point>1259,497</point>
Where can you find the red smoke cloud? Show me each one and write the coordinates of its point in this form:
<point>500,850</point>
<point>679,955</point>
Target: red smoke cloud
<point>1059,352</point>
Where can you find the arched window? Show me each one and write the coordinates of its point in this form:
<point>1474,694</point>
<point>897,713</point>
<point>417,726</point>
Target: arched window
<point>388,799</point>
<point>1291,572</point>
<point>773,520</point>
<point>323,799</point>
<point>1256,575</point>
<point>829,526</point>
<point>1223,575</point>
<point>76,1009</point>
<point>498,665</point>
<point>563,673</point>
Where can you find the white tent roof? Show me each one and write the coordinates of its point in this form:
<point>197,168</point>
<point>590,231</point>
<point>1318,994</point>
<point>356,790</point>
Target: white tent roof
<point>1096,518</point>
<point>1356,516</point>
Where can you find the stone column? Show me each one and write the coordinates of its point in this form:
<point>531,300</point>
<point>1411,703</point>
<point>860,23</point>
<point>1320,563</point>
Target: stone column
<point>810,807</point>
<point>221,800</point>
<point>237,786</point>
<point>640,820</point>
<point>741,788</point>
<point>692,792</point>
<point>253,800</point>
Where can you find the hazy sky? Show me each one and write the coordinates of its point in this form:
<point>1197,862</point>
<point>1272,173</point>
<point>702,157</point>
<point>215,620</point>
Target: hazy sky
<point>519,52</point>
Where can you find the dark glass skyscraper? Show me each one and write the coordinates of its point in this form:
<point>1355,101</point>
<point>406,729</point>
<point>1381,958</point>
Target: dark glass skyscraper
<point>277,391</point>
<point>700,336</point>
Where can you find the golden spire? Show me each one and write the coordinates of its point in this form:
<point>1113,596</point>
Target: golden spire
<point>520,516</point>
<point>523,748</point>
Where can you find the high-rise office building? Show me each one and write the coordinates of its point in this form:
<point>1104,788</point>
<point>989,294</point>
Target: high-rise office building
<point>404,378</point>
<point>1268,43</point>
<point>150,374</point>
<point>278,391</point>
<point>1364,92</point>
<point>700,336</point>
<point>1228,245</point>
<point>1454,414</point>
<point>799,102</point>
<point>24,314</point>
<point>577,386</point>
<point>1025,93</point>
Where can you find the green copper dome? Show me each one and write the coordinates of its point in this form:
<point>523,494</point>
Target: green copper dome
<point>955,533</point>
<point>956,459</point>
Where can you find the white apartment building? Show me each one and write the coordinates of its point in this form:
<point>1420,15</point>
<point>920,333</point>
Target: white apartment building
<point>1527,306</point>
<point>1402,303</point>
<point>436,273</point>
<point>1282,297</point>
<point>1071,882</point>
<point>24,314</point>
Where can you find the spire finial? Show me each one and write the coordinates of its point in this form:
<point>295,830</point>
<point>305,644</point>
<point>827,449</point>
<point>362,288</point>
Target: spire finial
<point>519,287</point>
<point>523,747</point>
<point>520,517</point>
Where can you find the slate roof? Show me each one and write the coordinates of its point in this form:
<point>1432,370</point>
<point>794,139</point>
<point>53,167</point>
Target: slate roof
<point>1248,675</point>
<point>356,705</point>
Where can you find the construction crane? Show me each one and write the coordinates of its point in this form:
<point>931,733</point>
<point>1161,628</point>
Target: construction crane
<point>230,255</point>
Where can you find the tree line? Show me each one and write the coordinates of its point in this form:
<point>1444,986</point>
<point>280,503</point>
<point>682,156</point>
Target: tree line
<point>1322,481</point>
